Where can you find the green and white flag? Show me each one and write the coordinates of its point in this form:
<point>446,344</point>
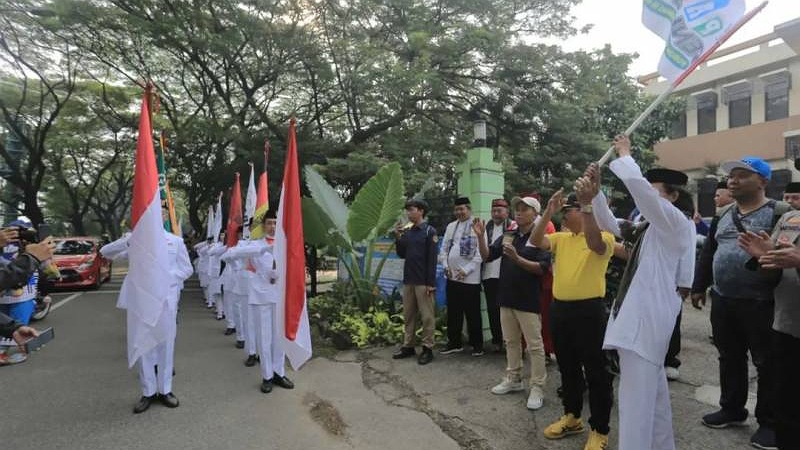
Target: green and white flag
<point>689,27</point>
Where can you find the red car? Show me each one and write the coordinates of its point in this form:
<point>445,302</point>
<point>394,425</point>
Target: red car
<point>79,261</point>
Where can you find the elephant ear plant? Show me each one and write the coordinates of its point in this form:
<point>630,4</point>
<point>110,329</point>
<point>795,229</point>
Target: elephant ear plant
<point>353,231</point>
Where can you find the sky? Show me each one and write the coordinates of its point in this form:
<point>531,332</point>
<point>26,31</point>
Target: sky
<point>621,26</point>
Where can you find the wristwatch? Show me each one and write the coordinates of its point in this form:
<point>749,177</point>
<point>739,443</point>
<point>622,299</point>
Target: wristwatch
<point>587,209</point>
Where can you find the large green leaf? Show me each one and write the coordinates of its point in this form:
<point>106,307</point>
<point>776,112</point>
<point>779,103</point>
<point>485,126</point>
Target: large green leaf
<point>328,200</point>
<point>318,229</point>
<point>378,204</point>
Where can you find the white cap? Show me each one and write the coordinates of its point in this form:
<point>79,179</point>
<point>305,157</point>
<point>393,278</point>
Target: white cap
<point>530,201</point>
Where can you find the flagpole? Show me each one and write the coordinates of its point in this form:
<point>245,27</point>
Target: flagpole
<point>746,18</point>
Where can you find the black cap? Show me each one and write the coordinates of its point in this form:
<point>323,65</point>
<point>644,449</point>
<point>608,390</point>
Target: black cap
<point>792,188</point>
<point>572,202</point>
<point>667,176</point>
<point>461,201</point>
<point>723,184</point>
<point>270,215</point>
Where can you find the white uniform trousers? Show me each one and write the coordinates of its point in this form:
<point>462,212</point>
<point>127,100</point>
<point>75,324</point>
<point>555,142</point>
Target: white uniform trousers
<point>645,413</point>
<point>269,352</point>
<point>162,356</point>
<point>228,307</point>
<point>240,314</point>
<point>218,302</point>
<point>250,337</point>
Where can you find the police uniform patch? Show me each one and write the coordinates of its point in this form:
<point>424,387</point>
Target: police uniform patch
<point>794,220</point>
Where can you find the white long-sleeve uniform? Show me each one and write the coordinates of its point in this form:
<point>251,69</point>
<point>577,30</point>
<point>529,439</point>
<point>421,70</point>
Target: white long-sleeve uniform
<point>162,355</point>
<point>214,279</point>
<point>644,324</point>
<point>262,299</point>
<point>239,279</point>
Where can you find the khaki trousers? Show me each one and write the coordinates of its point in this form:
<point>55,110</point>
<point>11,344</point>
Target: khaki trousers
<point>515,324</point>
<point>417,300</point>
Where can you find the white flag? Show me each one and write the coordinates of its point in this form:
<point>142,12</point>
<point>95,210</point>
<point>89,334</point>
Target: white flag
<point>249,204</point>
<point>218,219</point>
<point>689,27</point>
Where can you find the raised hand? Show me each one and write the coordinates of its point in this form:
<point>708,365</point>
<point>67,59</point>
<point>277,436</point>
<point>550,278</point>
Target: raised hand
<point>555,202</point>
<point>478,226</point>
<point>756,245</point>
<point>584,190</point>
<point>622,144</point>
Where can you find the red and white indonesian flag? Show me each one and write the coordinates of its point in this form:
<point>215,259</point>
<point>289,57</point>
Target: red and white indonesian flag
<point>291,314</point>
<point>689,27</point>
<point>146,288</point>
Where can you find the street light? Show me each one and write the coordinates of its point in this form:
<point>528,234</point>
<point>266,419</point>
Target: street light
<point>479,133</point>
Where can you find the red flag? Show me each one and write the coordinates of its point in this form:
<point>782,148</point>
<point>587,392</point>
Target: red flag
<point>145,291</point>
<point>291,259</point>
<point>234,215</point>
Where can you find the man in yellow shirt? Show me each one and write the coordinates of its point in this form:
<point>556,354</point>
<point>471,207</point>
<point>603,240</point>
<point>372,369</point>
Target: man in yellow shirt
<point>578,313</point>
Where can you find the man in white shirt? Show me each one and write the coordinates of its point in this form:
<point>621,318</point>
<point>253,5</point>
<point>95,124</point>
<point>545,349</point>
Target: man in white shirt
<point>462,263</point>
<point>156,366</point>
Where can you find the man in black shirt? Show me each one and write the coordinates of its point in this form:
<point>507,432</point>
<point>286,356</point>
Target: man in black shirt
<point>416,243</point>
<point>521,268</point>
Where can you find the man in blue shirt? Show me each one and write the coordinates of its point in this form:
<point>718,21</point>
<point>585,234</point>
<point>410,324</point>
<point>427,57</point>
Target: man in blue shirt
<point>416,243</point>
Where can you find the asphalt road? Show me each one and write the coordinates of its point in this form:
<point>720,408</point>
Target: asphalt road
<point>77,393</point>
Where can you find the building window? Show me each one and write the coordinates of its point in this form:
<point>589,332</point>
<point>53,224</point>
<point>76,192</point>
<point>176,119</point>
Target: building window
<point>706,111</point>
<point>776,95</point>
<point>739,112</point>
<point>706,119</point>
<point>678,127</point>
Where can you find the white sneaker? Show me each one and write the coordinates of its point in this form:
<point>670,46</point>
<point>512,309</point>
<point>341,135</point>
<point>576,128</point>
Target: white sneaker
<point>536,398</point>
<point>507,386</point>
<point>672,373</point>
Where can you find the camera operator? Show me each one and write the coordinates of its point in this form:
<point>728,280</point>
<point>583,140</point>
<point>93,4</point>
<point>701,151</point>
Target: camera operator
<point>18,275</point>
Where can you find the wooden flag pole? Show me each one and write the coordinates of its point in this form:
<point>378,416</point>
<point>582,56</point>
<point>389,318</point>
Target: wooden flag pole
<point>700,60</point>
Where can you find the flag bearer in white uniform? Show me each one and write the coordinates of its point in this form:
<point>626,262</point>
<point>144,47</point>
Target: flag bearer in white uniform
<point>229,281</point>
<point>240,276</point>
<point>214,279</point>
<point>157,383</point>
<point>647,304</point>
<point>202,269</point>
<point>263,300</point>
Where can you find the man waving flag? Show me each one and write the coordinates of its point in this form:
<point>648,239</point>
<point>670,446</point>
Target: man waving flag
<point>290,256</point>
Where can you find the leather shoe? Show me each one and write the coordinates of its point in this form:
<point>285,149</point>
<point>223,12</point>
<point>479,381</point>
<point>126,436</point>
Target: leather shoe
<point>251,361</point>
<point>169,400</point>
<point>404,352</point>
<point>425,357</point>
<point>144,404</point>
<point>282,381</point>
<point>266,386</point>
<point>239,344</point>
<point>229,331</point>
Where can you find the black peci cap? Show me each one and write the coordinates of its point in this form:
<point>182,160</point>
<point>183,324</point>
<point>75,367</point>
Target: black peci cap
<point>462,201</point>
<point>667,176</point>
<point>792,188</point>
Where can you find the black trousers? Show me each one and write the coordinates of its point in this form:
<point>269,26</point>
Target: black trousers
<point>464,300</point>
<point>787,415</point>
<point>674,345</point>
<point>578,330</point>
<point>493,309</point>
<point>742,325</point>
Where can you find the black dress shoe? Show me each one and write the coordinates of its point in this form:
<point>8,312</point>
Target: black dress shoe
<point>229,331</point>
<point>239,344</point>
<point>220,317</point>
<point>282,381</point>
<point>169,400</point>
<point>144,404</point>
<point>425,357</point>
<point>266,386</point>
<point>251,361</point>
<point>404,352</point>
